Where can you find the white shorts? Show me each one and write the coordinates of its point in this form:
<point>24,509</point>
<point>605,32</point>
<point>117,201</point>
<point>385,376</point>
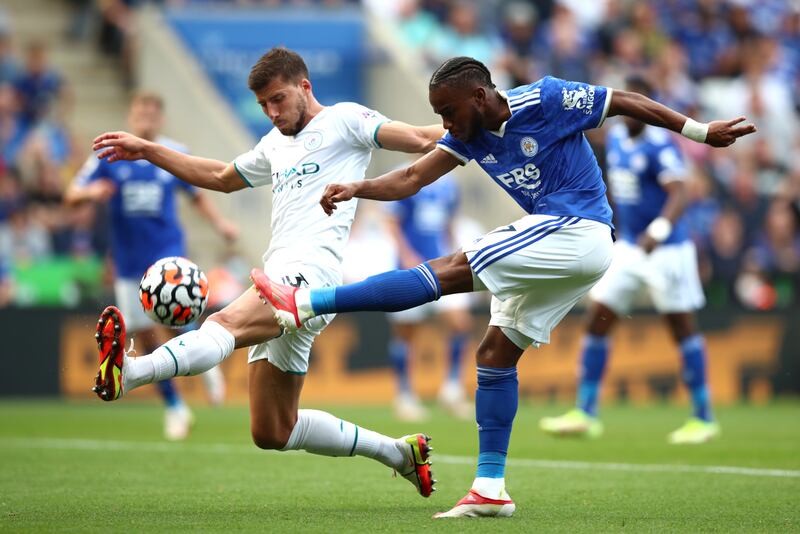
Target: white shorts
<point>126,293</point>
<point>537,269</point>
<point>457,301</point>
<point>669,273</point>
<point>290,351</point>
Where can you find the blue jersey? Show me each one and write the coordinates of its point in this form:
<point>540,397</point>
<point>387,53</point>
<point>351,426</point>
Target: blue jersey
<point>143,212</point>
<point>425,218</point>
<point>540,156</point>
<point>637,168</point>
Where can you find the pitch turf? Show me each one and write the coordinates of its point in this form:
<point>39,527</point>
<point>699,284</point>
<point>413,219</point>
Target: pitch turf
<point>104,467</point>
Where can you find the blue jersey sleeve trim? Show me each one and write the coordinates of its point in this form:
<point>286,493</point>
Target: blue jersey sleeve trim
<point>462,160</point>
<point>375,133</point>
<point>242,176</point>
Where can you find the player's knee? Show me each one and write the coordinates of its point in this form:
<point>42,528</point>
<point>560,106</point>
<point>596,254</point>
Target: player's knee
<point>272,438</point>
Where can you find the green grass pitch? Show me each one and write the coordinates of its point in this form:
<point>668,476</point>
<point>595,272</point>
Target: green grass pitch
<point>95,467</point>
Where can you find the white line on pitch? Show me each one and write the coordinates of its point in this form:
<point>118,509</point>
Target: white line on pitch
<point>229,448</point>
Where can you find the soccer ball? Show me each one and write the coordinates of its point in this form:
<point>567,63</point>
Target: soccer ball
<point>173,291</point>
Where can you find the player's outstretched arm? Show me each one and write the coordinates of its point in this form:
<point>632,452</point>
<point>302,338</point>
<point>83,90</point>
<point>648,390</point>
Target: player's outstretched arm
<point>714,133</point>
<point>402,137</point>
<point>394,185</point>
<point>201,172</point>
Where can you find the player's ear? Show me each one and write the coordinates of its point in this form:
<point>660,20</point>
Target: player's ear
<point>305,85</point>
<point>479,96</point>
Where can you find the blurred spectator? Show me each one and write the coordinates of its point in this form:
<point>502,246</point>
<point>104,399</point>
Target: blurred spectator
<point>13,127</point>
<point>22,238</point>
<point>518,33</point>
<point>9,66</point>
<point>38,84</point>
<point>417,26</point>
<point>463,37</point>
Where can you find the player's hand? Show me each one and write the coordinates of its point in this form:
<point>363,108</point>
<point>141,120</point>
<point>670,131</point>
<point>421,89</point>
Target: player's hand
<point>725,133</point>
<point>335,193</point>
<point>118,146</point>
<point>228,229</point>
<point>647,243</point>
<point>101,190</point>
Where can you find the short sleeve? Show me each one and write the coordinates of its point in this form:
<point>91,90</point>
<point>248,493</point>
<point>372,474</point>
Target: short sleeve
<point>669,164</point>
<point>361,124</point>
<point>253,166</point>
<point>93,169</point>
<point>454,147</point>
<point>572,107</point>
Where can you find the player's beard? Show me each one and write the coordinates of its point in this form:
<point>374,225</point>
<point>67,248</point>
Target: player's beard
<point>302,109</point>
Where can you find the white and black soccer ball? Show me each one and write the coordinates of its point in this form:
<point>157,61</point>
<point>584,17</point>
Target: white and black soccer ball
<point>174,291</point>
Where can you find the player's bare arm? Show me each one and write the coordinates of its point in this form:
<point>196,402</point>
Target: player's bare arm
<point>394,185</point>
<point>715,133</point>
<point>661,227</point>
<point>97,191</point>
<point>402,137</point>
<point>201,172</point>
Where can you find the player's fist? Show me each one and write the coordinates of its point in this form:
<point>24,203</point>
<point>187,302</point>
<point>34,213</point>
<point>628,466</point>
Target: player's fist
<point>725,133</point>
<point>336,193</point>
<point>117,146</point>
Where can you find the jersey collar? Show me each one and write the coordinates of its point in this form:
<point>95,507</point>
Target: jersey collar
<point>500,132</point>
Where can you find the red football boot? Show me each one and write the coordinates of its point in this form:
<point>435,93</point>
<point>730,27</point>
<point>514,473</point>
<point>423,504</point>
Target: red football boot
<point>110,338</point>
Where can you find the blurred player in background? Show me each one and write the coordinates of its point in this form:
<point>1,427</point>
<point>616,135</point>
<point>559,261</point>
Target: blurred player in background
<point>530,141</point>
<point>309,147</point>
<point>423,228</point>
<point>646,173</point>
<point>145,227</point>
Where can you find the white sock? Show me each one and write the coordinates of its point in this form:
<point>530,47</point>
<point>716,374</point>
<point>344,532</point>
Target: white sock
<point>191,353</point>
<point>319,432</point>
<point>491,488</point>
<point>302,299</point>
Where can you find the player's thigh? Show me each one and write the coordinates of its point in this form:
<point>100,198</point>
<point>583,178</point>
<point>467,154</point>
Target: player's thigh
<point>673,279</point>
<point>274,401</point>
<point>248,319</point>
<point>126,297</point>
<point>619,286</point>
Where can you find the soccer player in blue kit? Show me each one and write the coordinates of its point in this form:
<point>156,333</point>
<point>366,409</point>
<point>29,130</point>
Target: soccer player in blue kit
<point>530,141</point>
<point>423,228</point>
<point>144,228</point>
<point>646,175</point>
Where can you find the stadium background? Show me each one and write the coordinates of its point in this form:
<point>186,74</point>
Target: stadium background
<point>707,58</point>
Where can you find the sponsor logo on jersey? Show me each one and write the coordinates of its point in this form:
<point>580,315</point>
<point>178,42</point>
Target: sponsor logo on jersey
<point>526,177</point>
<point>281,179</point>
<point>312,141</point>
<point>529,146</point>
<point>582,98</point>
<point>489,158</point>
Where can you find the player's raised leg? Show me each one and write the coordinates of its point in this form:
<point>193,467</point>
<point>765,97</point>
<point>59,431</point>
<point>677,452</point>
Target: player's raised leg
<point>240,324</point>
<point>701,427</point>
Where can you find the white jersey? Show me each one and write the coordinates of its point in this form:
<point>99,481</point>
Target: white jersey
<point>334,147</point>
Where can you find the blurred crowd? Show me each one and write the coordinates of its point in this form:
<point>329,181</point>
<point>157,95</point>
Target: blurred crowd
<point>709,59</point>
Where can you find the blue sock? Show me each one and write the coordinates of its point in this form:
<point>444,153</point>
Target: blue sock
<point>593,364</point>
<point>495,408</point>
<point>693,350</point>
<point>391,291</point>
<point>457,343</point>
<point>168,392</point>
<point>398,354</point>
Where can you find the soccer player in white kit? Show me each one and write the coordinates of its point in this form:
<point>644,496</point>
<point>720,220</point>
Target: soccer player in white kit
<point>530,141</point>
<point>310,147</point>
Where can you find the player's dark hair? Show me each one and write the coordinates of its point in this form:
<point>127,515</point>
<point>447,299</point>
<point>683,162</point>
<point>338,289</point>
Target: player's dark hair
<point>280,63</point>
<point>639,84</point>
<point>461,70</point>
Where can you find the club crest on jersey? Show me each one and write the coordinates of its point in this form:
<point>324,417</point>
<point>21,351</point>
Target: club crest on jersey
<point>529,146</point>
<point>312,141</point>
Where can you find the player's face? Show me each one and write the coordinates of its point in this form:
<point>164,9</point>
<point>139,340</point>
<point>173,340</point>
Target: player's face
<point>286,104</point>
<point>145,119</point>
<point>460,109</point>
